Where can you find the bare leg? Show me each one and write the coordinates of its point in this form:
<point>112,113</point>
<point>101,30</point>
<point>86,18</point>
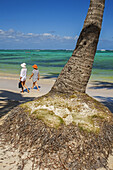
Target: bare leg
<point>22,86</point>
<point>25,86</point>
<point>33,85</point>
<point>36,85</point>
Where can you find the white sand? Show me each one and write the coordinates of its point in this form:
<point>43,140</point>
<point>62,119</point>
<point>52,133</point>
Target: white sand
<point>101,91</point>
<point>10,84</point>
<point>9,91</point>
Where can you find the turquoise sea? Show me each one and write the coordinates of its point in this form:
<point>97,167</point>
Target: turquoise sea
<point>51,62</point>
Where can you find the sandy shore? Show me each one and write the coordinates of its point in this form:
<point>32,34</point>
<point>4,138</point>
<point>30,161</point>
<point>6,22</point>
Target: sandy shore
<point>10,97</point>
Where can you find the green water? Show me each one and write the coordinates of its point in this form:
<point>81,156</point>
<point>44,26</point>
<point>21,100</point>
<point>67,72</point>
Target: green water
<point>51,62</point>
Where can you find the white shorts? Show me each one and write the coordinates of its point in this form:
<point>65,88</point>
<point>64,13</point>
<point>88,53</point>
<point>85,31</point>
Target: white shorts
<point>23,79</point>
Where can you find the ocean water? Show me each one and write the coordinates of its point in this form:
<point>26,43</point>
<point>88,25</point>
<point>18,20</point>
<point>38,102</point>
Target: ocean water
<point>51,62</point>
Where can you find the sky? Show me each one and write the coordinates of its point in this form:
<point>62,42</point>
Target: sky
<point>49,24</point>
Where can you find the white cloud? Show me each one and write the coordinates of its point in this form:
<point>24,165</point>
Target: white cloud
<point>15,37</point>
<point>13,34</point>
<point>68,38</point>
<point>76,37</point>
<point>1,32</point>
<point>30,34</point>
<point>11,31</point>
<point>47,34</point>
<point>10,36</point>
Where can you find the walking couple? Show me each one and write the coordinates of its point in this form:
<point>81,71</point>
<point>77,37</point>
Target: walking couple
<point>34,76</point>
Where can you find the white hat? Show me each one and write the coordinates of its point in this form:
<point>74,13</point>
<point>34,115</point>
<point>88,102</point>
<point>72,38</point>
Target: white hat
<point>23,65</point>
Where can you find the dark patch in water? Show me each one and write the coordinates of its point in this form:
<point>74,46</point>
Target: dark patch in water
<point>44,65</point>
<point>12,58</point>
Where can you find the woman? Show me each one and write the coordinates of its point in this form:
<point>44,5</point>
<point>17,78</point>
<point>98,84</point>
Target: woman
<point>23,75</point>
<point>35,75</point>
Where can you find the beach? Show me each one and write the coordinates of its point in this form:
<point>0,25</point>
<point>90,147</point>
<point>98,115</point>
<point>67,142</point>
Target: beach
<point>10,97</point>
<point>50,63</point>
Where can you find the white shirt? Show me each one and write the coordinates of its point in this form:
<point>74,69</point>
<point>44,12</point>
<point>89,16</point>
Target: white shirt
<point>23,74</point>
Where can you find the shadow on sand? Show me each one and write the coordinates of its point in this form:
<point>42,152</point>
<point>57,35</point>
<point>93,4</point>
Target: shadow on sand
<point>9,100</point>
<point>102,85</point>
<point>51,75</point>
<point>107,101</point>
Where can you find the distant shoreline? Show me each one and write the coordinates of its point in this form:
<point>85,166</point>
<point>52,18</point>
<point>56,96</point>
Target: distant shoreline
<point>56,49</point>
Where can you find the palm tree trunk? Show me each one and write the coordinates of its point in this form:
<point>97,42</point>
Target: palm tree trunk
<point>76,73</point>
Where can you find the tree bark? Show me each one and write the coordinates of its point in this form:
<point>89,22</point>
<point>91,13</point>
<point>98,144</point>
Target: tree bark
<point>76,73</point>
